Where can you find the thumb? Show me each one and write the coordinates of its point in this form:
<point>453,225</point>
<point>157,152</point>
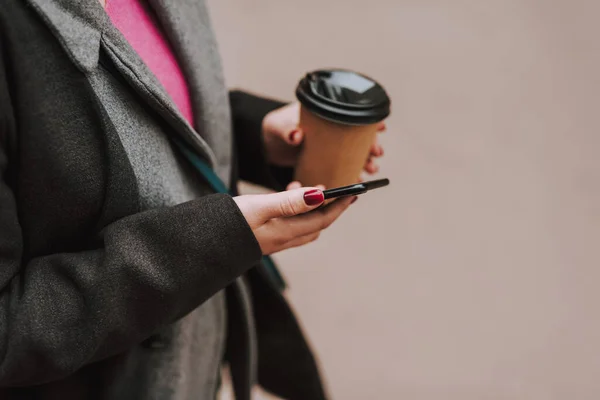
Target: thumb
<point>295,137</point>
<point>291,202</point>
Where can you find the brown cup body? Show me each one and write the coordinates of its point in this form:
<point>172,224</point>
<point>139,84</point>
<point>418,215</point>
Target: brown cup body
<point>333,154</point>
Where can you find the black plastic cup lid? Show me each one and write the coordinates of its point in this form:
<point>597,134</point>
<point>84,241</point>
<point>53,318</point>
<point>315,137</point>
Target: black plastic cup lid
<point>344,97</point>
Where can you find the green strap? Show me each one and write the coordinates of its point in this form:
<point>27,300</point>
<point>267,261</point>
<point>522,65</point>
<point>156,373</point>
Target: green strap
<point>219,186</point>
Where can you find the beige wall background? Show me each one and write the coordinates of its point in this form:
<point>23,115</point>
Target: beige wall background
<point>476,274</point>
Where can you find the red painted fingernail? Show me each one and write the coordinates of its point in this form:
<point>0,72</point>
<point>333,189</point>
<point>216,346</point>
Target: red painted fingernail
<point>313,197</point>
<point>354,200</point>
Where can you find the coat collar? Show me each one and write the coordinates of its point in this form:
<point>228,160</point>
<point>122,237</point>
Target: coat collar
<point>78,24</point>
<point>83,29</point>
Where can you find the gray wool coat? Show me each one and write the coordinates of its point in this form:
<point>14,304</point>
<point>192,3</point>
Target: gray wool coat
<point>122,275</point>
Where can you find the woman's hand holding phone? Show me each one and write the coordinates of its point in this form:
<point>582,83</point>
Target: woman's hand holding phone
<point>283,220</point>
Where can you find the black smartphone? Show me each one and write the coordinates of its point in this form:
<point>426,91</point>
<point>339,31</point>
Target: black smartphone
<point>353,190</point>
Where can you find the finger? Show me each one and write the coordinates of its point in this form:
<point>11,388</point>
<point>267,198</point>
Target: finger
<point>288,203</point>
<point>322,187</point>
<point>294,185</point>
<point>301,241</point>
<point>381,127</point>
<point>295,137</point>
<point>376,149</point>
<point>371,166</point>
<point>316,221</point>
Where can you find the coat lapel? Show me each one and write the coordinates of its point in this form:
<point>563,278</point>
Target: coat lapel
<point>78,24</point>
<point>187,25</point>
<point>139,76</point>
<point>83,29</point>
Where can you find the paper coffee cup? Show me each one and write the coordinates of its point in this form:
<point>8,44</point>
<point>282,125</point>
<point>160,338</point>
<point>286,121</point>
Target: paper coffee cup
<point>339,114</point>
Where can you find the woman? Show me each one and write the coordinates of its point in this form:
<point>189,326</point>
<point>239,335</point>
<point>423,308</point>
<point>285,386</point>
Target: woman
<point>123,274</point>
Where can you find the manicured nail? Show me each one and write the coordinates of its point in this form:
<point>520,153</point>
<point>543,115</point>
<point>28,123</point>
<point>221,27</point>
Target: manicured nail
<point>313,197</point>
<point>354,200</point>
<point>293,135</point>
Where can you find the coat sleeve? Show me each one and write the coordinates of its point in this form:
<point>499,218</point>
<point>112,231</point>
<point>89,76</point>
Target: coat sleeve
<point>59,312</point>
<point>248,112</point>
